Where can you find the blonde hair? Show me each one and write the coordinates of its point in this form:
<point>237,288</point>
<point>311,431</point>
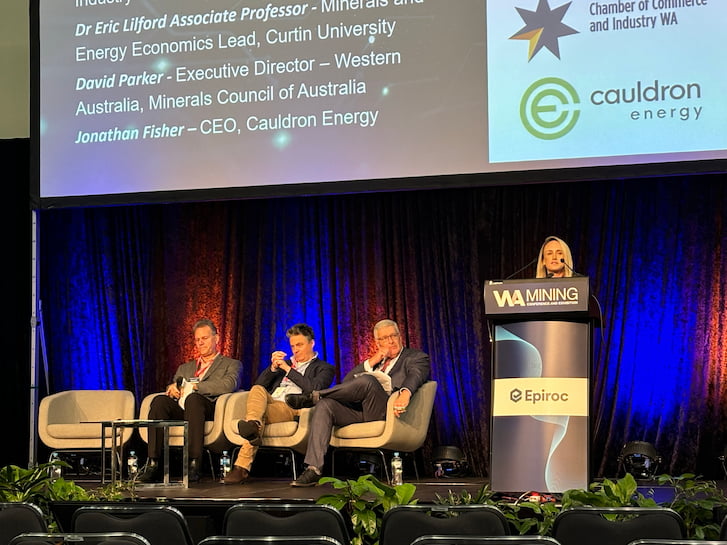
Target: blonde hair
<point>541,272</point>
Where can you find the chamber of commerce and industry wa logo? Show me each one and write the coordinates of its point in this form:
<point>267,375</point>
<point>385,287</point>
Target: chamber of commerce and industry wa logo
<point>543,27</point>
<point>549,108</point>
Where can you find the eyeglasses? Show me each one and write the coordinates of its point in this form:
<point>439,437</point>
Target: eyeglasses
<point>387,338</point>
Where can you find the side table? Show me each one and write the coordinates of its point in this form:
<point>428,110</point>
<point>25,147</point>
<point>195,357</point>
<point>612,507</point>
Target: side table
<point>117,426</point>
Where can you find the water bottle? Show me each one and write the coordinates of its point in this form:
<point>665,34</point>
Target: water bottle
<point>56,471</point>
<point>132,465</point>
<point>224,465</point>
<point>397,470</point>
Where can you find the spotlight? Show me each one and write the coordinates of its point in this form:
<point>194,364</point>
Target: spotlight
<point>449,462</point>
<point>640,459</point>
<point>722,459</point>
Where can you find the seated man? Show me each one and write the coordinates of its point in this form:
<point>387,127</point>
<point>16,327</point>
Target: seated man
<point>363,394</point>
<point>303,372</point>
<point>204,379</point>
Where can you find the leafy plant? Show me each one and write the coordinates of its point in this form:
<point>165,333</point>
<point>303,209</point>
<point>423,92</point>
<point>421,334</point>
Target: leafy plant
<point>525,517</point>
<point>365,501</point>
<point>696,501</point>
<point>607,493</point>
<point>36,485</point>
<point>484,495</point>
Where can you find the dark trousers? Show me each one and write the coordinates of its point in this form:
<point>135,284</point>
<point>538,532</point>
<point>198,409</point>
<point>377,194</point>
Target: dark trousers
<point>361,399</point>
<point>197,409</point>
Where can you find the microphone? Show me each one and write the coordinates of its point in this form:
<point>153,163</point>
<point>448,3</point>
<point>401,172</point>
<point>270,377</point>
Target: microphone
<point>570,268</point>
<point>179,381</point>
<point>521,269</point>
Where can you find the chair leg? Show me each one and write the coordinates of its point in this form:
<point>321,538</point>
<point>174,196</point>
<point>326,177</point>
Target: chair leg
<point>384,464</point>
<point>212,465</point>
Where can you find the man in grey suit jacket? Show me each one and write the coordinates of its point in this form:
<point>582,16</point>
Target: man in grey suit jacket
<point>205,379</point>
<point>363,395</point>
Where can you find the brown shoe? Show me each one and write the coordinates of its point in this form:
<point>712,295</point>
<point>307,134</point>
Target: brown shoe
<point>237,475</point>
<point>250,430</point>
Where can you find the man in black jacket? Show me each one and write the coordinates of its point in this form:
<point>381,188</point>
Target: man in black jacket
<point>303,372</point>
<point>363,395</point>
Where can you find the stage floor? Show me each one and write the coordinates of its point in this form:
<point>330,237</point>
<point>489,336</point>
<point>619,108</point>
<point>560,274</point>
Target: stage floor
<point>278,489</point>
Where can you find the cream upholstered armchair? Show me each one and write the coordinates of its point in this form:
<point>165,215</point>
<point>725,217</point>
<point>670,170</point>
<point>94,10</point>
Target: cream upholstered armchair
<point>404,434</point>
<point>288,436</point>
<point>214,437</point>
<point>71,420</point>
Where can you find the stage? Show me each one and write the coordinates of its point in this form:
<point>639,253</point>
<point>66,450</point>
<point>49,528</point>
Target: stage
<point>279,489</point>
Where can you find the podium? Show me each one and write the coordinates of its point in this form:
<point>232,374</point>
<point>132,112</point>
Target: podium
<point>542,350</point>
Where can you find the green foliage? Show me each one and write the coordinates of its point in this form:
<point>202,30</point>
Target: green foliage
<point>365,501</point>
<point>607,493</point>
<point>524,517</point>
<point>35,485</point>
<point>484,496</point>
<point>697,501</point>
<point>530,518</point>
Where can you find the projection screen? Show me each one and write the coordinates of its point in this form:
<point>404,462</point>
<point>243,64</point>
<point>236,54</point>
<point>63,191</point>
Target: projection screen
<point>136,99</point>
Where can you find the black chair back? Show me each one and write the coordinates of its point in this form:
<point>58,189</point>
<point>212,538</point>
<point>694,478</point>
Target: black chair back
<point>623,525</point>
<point>159,524</point>
<point>271,519</point>
<point>678,542</point>
<point>19,517</point>
<point>107,538</point>
<point>484,540</point>
<point>402,524</point>
<point>270,540</point>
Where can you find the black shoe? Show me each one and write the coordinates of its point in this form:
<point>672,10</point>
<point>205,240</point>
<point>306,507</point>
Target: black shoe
<point>150,472</point>
<point>250,430</point>
<point>193,472</point>
<point>308,478</point>
<point>300,401</point>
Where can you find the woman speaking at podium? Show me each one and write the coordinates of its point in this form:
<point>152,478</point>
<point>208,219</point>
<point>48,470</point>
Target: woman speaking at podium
<point>555,259</point>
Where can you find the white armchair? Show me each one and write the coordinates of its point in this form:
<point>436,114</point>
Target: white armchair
<point>71,420</point>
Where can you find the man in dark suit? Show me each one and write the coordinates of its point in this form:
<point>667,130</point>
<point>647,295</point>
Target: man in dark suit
<point>302,372</point>
<point>199,382</point>
<point>363,394</point>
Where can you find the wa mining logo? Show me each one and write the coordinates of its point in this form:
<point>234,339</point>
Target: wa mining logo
<point>549,108</point>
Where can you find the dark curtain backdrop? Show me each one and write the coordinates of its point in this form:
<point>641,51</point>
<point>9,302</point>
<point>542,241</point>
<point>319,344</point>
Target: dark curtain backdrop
<point>122,286</point>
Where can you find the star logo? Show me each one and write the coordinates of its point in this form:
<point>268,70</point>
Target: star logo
<point>543,27</point>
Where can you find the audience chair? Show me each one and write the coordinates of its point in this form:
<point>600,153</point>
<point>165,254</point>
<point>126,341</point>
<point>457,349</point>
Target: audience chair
<point>101,538</point>
<point>404,434</point>
<point>484,540</point>
<point>678,542</point>
<point>270,540</point>
<point>159,524</point>
<point>274,519</point>
<point>623,525</point>
<point>290,437</point>
<point>71,420</point>
<point>214,437</point>
<point>723,529</point>
<point>402,524</point>
<point>19,517</point>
